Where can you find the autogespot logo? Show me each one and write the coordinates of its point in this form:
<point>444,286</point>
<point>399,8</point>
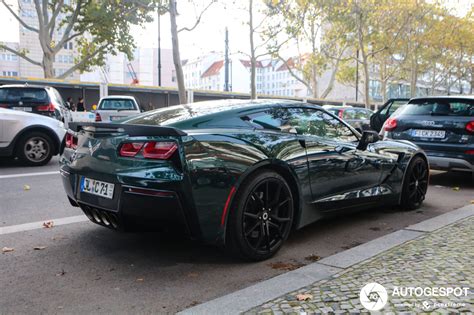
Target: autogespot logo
<point>373,296</point>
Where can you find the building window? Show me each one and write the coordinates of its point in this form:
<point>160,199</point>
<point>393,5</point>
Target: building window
<point>10,73</point>
<point>173,76</point>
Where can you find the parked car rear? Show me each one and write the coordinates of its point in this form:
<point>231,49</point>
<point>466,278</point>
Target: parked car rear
<point>43,100</point>
<point>116,107</point>
<point>442,126</point>
<point>359,118</point>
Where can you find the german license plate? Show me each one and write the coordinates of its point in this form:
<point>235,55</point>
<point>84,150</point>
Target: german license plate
<point>97,187</point>
<point>112,118</point>
<point>440,134</point>
<point>24,109</point>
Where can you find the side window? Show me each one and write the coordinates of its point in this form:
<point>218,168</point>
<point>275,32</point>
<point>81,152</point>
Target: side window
<point>349,114</point>
<point>362,114</point>
<point>278,119</point>
<point>314,122</point>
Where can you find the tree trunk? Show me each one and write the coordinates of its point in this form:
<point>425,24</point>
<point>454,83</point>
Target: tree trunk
<point>366,85</point>
<point>253,61</point>
<point>314,81</point>
<point>413,76</point>
<point>48,68</point>
<point>176,55</point>
<point>383,90</point>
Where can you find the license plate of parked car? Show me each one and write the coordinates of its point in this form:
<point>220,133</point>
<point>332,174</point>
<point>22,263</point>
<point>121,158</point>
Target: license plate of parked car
<point>112,118</point>
<point>97,187</point>
<point>24,109</point>
<point>429,133</point>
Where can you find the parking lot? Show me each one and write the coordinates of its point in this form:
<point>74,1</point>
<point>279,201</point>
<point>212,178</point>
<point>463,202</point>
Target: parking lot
<point>82,267</point>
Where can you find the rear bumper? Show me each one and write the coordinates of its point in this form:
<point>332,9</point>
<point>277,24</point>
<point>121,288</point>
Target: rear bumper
<point>131,208</point>
<point>448,156</point>
<point>450,164</point>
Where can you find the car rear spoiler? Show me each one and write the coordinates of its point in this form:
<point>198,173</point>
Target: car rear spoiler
<point>131,130</point>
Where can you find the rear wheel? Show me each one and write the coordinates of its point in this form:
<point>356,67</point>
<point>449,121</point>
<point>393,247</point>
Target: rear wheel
<point>261,216</point>
<point>415,184</point>
<point>35,148</point>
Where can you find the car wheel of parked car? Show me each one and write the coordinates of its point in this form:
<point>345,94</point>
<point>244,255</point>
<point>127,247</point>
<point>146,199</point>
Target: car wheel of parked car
<point>35,148</point>
<point>415,184</point>
<point>261,217</point>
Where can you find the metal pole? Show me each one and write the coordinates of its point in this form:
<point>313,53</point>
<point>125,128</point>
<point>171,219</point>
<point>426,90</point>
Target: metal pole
<point>357,75</point>
<point>159,48</point>
<point>226,74</point>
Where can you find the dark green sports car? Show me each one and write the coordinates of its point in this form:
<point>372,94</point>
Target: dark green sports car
<point>237,173</point>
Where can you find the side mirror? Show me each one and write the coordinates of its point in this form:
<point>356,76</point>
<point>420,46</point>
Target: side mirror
<point>368,136</point>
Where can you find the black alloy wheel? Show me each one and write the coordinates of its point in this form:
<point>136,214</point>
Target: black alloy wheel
<point>415,184</point>
<point>262,217</point>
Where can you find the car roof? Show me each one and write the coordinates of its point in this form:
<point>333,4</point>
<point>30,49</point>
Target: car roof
<point>469,97</point>
<point>127,97</point>
<point>25,86</point>
<point>196,113</point>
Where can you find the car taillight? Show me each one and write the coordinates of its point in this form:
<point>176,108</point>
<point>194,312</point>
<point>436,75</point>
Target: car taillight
<point>3,105</point>
<point>97,117</point>
<point>159,150</point>
<point>45,108</point>
<point>130,149</point>
<point>151,150</point>
<point>390,124</point>
<point>71,141</point>
<point>470,126</point>
<point>470,152</point>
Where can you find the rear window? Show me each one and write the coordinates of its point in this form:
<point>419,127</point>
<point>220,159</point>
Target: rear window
<point>117,104</point>
<point>23,95</point>
<point>438,107</point>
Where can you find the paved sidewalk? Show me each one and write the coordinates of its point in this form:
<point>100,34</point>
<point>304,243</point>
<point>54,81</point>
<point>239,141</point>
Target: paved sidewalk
<point>444,258</point>
<point>438,252</point>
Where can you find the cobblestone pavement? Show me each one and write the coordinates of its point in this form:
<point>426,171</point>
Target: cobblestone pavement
<point>444,258</point>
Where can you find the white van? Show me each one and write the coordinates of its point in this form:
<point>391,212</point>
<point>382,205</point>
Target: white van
<point>116,107</point>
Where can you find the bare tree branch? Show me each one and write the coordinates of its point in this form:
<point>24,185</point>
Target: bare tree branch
<point>30,28</point>
<point>21,55</point>
<point>82,62</point>
<point>198,20</point>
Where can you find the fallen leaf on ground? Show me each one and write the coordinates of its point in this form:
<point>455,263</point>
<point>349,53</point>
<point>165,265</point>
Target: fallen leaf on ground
<point>48,224</point>
<point>472,201</point>
<point>39,247</point>
<point>193,274</point>
<point>62,273</point>
<point>285,266</point>
<point>26,187</point>
<point>456,188</point>
<point>140,279</point>
<point>7,249</point>
<point>313,257</point>
<point>304,297</point>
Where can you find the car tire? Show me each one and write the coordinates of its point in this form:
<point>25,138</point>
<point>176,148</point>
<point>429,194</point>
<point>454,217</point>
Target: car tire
<point>35,148</point>
<point>261,216</point>
<point>415,184</point>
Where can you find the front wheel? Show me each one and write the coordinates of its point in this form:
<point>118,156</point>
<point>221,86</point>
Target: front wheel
<point>261,216</point>
<point>415,184</point>
<point>35,148</point>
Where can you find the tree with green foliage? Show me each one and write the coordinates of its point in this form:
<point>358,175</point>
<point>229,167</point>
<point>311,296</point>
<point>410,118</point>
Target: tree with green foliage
<point>95,27</point>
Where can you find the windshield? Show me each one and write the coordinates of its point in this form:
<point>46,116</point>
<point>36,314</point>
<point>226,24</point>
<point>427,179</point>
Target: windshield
<point>438,107</point>
<point>23,95</point>
<point>117,104</point>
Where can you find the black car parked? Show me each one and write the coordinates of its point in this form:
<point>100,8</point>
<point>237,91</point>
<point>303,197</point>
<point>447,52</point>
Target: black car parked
<point>43,100</point>
<point>442,126</point>
<point>387,109</point>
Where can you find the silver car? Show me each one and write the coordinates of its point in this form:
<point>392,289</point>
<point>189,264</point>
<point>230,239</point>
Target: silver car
<point>33,138</point>
<point>116,107</point>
